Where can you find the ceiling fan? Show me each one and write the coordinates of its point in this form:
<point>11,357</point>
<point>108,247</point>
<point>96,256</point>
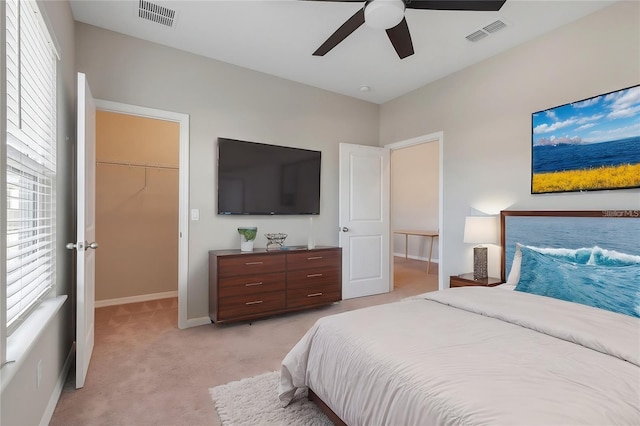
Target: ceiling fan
<point>389,15</point>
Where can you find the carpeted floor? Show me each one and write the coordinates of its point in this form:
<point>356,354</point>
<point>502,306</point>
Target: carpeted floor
<point>145,371</point>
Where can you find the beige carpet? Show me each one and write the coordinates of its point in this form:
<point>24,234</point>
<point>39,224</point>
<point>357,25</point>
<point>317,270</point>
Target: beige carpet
<point>254,401</point>
<point>145,371</point>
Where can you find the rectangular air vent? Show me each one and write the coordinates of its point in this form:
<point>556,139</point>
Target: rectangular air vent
<point>478,35</point>
<point>487,30</point>
<point>156,13</point>
<point>494,26</point>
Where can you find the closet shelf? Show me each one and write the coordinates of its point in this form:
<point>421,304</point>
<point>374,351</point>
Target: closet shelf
<point>141,165</point>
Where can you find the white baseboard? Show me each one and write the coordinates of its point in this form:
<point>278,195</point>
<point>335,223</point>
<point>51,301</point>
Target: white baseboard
<point>424,259</point>
<point>194,322</point>
<point>57,390</point>
<point>136,299</point>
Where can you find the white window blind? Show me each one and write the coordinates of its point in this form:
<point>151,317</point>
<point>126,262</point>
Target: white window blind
<point>31,160</point>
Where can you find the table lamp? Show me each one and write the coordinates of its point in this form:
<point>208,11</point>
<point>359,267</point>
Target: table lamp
<point>480,230</point>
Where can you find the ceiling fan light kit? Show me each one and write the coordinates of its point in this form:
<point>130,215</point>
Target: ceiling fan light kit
<point>384,14</point>
<point>389,15</point>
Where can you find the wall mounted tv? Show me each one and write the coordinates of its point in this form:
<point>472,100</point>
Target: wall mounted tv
<point>261,179</point>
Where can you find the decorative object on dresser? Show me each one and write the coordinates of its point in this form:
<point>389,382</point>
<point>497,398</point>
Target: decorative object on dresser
<point>247,236</point>
<point>465,280</point>
<point>480,230</point>
<point>275,241</point>
<point>245,286</point>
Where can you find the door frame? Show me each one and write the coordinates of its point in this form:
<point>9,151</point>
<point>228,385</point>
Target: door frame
<point>183,190</point>
<point>429,138</point>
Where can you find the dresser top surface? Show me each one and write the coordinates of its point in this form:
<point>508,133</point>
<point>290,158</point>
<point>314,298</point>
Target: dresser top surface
<point>288,249</point>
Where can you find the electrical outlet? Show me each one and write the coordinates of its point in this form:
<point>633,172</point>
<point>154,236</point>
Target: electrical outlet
<point>195,214</point>
<point>38,374</point>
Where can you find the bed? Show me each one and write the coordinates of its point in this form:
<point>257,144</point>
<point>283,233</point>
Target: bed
<point>476,355</point>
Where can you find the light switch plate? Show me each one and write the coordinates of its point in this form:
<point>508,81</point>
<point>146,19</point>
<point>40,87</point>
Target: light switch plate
<point>195,214</point>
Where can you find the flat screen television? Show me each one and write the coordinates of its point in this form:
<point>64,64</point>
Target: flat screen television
<point>261,179</point>
<point>587,145</point>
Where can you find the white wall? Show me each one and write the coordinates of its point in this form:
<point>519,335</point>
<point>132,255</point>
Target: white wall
<point>227,101</point>
<point>22,402</point>
<point>485,114</point>
<point>414,197</point>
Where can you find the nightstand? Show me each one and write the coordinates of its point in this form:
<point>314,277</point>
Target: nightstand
<point>467,280</point>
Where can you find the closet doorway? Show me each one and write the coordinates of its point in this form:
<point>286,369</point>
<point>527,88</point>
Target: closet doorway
<point>140,208</point>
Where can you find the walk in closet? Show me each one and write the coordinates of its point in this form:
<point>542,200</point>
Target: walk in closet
<point>136,208</point>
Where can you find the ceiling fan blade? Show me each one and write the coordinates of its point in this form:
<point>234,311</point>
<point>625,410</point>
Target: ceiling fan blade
<point>401,39</point>
<point>341,33</point>
<point>470,5</point>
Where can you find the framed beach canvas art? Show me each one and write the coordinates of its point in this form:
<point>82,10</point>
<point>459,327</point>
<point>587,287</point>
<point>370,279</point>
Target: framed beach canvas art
<point>589,145</point>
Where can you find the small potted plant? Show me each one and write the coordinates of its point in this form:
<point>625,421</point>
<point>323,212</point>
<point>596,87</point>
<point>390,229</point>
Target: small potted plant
<point>247,236</point>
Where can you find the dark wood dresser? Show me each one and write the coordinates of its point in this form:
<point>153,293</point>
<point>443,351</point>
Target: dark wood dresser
<point>250,285</point>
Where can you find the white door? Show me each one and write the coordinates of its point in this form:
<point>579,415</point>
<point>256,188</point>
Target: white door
<point>364,220</point>
<point>86,232</point>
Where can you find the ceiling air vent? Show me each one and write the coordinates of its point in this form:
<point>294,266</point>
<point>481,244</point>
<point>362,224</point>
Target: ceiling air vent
<point>478,35</point>
<point>156,13</point>
<point>494,27</point>
<point>486,30</point>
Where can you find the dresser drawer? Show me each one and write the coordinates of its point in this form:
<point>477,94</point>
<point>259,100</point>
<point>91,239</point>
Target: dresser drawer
<point>316,295</point>
<point>251,304</point>
<point>314,277</point>
<point>251,284</point>
<point>314,259</point>
<point>251,264</point>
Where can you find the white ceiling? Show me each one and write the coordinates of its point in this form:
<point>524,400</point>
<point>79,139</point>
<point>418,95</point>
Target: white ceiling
<point>278,37</point>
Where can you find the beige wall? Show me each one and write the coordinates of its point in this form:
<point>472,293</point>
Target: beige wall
<point>228,101</point>
<point>22,402</point>
<point>136,207</point>
<point>485,114</point>
<point>414,196</point>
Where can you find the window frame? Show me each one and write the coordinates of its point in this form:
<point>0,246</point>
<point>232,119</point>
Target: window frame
<point>44,32</point>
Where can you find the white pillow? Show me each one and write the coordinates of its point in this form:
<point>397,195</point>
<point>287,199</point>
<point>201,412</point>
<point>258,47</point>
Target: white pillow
<point>514,273</point>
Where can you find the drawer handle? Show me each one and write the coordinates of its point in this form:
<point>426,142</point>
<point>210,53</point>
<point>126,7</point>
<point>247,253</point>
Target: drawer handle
<point>313,275</point>
<point>253,263</point>
<point>314,258</point>
<point>252,284</point>
<point>254,302</point>
<point>314,294</point>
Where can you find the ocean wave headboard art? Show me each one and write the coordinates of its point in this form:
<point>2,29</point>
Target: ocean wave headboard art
<point>591,235</point>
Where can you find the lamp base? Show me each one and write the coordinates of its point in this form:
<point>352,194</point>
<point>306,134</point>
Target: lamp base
<point>479,263</point>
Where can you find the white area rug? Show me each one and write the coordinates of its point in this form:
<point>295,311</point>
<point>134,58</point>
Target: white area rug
<point>254,401</point>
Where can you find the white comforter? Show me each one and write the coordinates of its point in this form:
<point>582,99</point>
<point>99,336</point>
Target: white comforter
<point>472,356</point>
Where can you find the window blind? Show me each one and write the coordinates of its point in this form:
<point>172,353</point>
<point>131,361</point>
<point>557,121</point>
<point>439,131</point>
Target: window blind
<point>31,160</point>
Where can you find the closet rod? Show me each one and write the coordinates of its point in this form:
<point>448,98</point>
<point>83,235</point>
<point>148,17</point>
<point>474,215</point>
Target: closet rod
<point>146,166</point>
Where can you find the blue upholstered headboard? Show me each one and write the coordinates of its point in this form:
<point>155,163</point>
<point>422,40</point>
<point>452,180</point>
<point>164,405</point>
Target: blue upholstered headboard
<point>617,230</point>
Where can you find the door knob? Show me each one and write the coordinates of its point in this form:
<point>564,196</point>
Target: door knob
<point>93,245</point>
<point>345,229</point>
<point>71,246</point>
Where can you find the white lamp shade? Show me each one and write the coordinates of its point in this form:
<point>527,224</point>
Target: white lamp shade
<point>481,230</point>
